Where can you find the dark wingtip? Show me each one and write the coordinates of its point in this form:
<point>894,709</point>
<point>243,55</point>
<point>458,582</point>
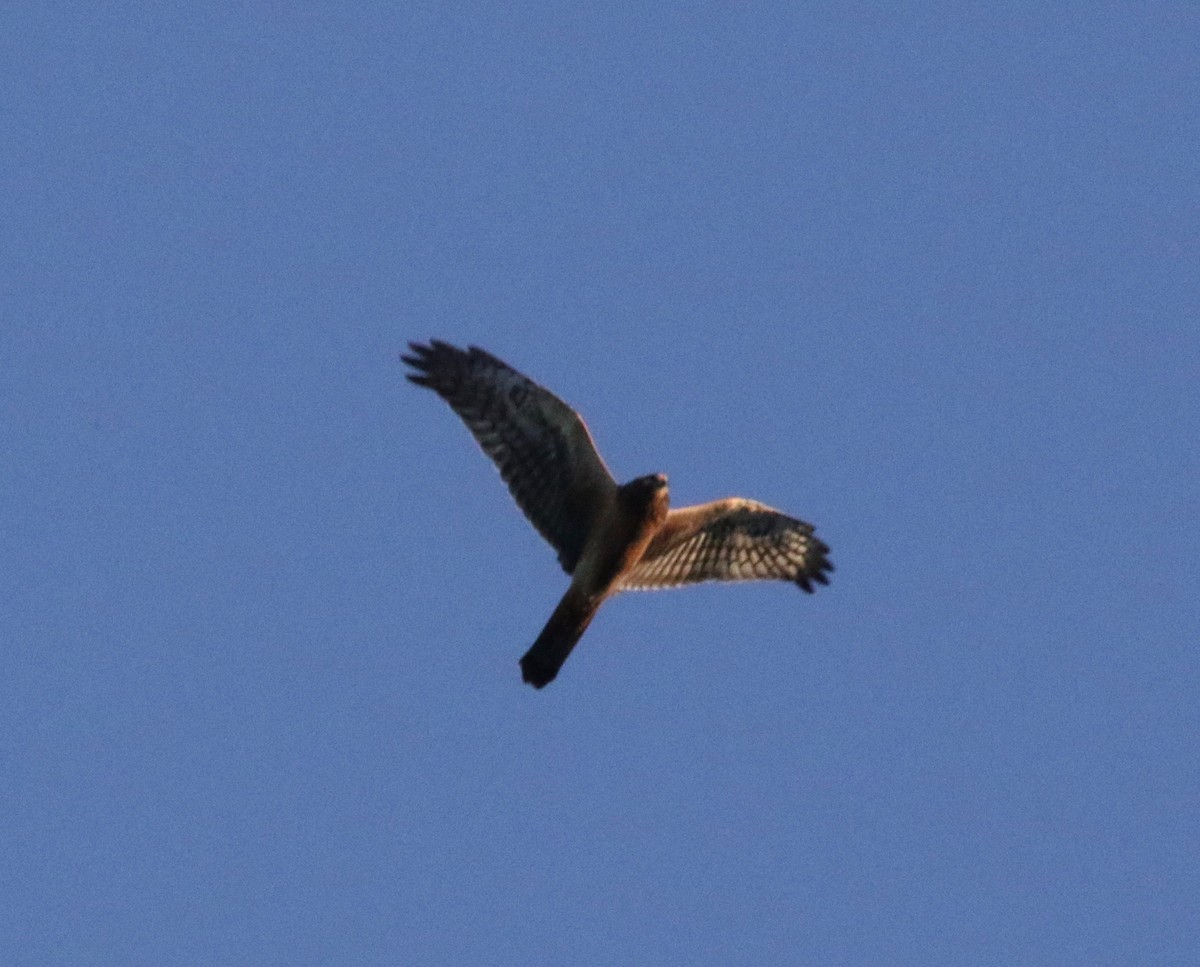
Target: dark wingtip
<point>418,355</point>
<point>441,355</point>
<point>423,359</point>
<point>817,570</point>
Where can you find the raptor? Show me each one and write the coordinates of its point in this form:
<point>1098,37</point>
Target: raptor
<point>609,537</point>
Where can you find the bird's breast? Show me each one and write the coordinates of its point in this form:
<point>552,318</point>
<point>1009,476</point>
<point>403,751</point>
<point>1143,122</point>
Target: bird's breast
<point>616,545</point>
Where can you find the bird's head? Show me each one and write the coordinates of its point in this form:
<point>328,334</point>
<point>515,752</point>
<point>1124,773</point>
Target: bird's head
<point>648,491</point>
<point>652,483</point>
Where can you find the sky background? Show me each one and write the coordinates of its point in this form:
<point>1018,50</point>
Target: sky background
<point>925,274</point>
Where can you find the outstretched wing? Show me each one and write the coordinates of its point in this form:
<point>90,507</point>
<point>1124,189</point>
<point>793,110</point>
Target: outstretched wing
<point>730,540</point>
<point>541,446</point>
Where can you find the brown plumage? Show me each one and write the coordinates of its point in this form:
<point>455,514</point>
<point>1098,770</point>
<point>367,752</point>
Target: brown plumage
<point>609,538</point>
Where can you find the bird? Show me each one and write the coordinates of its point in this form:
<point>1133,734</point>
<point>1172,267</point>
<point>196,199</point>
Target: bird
<point>609,537</point>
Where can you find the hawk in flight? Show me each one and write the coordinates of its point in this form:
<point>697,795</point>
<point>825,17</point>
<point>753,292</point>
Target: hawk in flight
<point>609,537</point>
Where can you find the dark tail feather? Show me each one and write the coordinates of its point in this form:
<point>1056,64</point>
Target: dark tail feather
<point>565,627</point>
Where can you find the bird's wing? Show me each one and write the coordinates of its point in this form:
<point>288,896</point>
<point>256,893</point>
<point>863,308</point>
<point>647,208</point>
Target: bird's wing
<point>541,446</point>
<point>730,540</point>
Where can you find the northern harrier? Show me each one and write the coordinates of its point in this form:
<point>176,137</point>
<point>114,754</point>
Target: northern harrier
<point>609,538</point>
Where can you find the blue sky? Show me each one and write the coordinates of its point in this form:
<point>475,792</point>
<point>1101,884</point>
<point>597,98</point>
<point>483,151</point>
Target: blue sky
<point>923,274</point>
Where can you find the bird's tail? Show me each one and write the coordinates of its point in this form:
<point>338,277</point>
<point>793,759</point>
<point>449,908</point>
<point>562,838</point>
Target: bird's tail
<point>566,626</point>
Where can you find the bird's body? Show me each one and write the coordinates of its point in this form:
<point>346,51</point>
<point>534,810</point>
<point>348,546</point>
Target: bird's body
<point>615,547</point>
<point>609,538</point>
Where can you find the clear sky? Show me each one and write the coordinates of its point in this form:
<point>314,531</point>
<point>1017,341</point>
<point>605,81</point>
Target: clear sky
<point>925,274</point>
